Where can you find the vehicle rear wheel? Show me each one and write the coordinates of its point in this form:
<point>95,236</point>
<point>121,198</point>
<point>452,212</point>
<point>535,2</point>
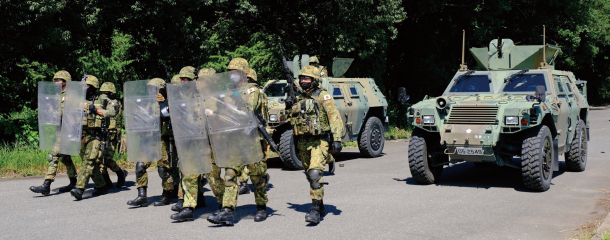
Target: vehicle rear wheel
<point>537,159</point>
<point>576,158</point>
<point>371,139</point>
<point>288,150</point>
<point>420,162</point>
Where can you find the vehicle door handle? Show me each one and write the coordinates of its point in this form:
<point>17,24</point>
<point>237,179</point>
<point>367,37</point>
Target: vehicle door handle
<point>349,103</point>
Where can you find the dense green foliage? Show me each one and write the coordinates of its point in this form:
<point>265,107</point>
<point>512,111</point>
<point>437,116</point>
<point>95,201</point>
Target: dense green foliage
<point>415,44</point>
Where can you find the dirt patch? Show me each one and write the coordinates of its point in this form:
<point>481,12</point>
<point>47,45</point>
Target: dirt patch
<point>588,229</point>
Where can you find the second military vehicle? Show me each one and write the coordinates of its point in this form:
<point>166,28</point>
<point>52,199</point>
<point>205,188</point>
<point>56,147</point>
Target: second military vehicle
<point>515,104</point>
<point>362,105</point>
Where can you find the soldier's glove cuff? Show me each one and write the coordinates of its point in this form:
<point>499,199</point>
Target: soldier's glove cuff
<point>288,102</point>
<point>92,108</point>
<point>160,98</point>
<point>337,146</point>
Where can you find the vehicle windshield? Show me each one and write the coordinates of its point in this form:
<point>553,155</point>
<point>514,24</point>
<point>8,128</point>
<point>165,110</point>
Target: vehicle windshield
<point>276,90</point>
<point>472,83</point>
<point>525,83</point>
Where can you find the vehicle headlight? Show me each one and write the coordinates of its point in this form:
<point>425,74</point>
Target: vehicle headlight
<point>511,120</point>
<point>429,119</point>
<point>273,118</point>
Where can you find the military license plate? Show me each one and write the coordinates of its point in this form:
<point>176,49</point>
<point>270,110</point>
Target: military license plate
<point>469,151</point>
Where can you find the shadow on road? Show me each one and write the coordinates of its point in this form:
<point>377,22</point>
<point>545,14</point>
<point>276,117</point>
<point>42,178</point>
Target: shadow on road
<point>305,208</point>
<point>466,174</point>
<point>276,162</point>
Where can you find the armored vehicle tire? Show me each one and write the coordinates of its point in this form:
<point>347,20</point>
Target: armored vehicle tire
<point>576,158</point>
<point>371,140</point>
<point>419,162</point>
<point>537,159</point>
<point>288,151</point>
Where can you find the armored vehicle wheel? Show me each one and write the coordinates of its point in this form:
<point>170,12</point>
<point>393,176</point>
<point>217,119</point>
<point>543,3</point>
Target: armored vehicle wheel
<point>537,159</point>
<point>576,158</point>
<point>420,162</point>
<point>372,139</point>
<point>288,151</point>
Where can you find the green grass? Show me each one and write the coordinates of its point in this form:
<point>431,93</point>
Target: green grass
<point>397,133</point>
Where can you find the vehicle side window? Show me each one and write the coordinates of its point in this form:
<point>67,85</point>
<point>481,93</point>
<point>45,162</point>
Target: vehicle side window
<point>337,91</point>
<point>559,87</point>
<point>353,92</point>
<point>567,81</point>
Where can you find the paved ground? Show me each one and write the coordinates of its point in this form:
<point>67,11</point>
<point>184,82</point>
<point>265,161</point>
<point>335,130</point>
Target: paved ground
<point>366,199</point>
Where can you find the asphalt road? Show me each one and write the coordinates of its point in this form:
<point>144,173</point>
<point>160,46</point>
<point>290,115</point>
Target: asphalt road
<point>366,199</point>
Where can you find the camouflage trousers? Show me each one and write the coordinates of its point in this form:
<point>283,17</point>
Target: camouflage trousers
<point>313,153</point>
<point>54,164</point>
<point>94,162</point>
<point>256,171</point>
<point>170,179</point>
<point>192,184</point>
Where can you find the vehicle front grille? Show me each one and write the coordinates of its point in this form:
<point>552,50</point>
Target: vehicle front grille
<point>473,115</point>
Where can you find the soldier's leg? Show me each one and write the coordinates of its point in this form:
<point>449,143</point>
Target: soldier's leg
<point>319,155</point>
<point>112,165</point>
<point>190,187</point>
<point>70,169</point>
<point>229,199</point>
<point>167,182</point>
<point>258,173</point>
<point>89,154</point>
<point>216,183</point>
<point>141,184</point>
<point>180,203</point>
<point>49,177</point>
<point>243,181</point>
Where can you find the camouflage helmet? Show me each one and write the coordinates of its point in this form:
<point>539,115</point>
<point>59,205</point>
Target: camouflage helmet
<point>92,80</point>
<point>108,87</point>
<point>187,72</point>
<point>238,64</point>
<point>310,71</point>
<point>314,59</point>
<point>206,71</point>
<point>157,82</point>
<point>176,78</point>
<point>252,74</point>
<point>63,74</point>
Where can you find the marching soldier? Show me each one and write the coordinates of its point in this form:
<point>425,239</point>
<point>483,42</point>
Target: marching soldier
<point>313,117</point>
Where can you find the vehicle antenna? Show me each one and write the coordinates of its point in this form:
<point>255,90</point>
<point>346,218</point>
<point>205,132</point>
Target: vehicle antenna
<point>543,64</point>
<point>463,67</point>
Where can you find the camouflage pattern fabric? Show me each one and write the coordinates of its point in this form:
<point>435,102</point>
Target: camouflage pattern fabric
<point>175,79</point>
<point>206,71</point>
<point>93,81</point>
<point>328,116</point>
<point>187,72</point>
<point>310,71</point>
<point>313,153</point>
<point>173,178</point>
<point>323,71</point>
<point>63,74</point>
<point>239,64</point>
<point>108,87</point>
<point>216,183</point>
<point>192,184</point>
<point>245,175</point>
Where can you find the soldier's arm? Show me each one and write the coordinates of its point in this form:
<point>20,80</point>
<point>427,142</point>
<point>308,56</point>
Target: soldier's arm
<point>334,117</point>
<point>110,110</point>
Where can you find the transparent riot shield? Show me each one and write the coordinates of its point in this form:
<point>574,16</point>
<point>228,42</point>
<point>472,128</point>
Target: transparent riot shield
<point>189,128</point>
<point>49,115</point>
<point>142,121</point>
<point>231,123</point>
<point>72,118</point>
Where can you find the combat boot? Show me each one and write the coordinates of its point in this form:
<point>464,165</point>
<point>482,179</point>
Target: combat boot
<point>322,210</point>
<point>141,200</point>
<point>200,199</point>
<point>185,215</point>
<point>101,190</point>
<point>314,214</point>
<point>243,188</point>
<point>107,180</point>
<point>165,199</point>
<point>45,188</point>
<point>77,193</point>
<point>122,175</point>
<point>224,217</point>
<point>178,206</point>
<point>70,186</point>
<point>261,213</point>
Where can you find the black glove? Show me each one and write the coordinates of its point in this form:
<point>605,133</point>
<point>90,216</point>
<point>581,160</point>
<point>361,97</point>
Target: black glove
<point>337,146</point>
<point>288,102</point>
<point>92,108</point>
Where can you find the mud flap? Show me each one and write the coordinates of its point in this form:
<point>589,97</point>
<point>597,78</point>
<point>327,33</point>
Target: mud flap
<point>556,155</point>
<point>588,136</point>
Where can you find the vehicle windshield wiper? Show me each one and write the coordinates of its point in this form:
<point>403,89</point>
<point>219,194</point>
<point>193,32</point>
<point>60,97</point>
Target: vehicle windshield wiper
<point>461,77</point>
<point>512,77</point>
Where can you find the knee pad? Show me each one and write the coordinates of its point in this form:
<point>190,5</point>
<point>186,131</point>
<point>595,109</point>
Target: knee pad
<point>313,176</point>
<point>163,173</point>
<point>230,176</point>
<point>140,169</point>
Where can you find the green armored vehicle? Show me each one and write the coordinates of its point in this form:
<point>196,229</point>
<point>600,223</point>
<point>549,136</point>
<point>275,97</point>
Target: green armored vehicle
<point>515,104</point>
<point>362,105</point>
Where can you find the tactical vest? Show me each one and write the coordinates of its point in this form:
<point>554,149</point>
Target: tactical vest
<point>258,100</point>
<point>94,121</point>
<point>308,116</point>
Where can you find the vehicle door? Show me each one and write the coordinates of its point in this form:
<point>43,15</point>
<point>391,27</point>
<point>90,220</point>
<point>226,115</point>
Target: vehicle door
<point>357,107</point>
<point>341,102</point>
<point>562,118</point>
<point>572,108</point>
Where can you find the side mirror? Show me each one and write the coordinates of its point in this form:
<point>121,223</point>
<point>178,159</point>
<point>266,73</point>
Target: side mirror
<point>402,95</point>
<point>541,93</point>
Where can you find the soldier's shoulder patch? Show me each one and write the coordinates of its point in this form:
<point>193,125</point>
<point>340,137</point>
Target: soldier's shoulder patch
<point>327,97</point>
<point>322,74</point>
<point>251,90</point>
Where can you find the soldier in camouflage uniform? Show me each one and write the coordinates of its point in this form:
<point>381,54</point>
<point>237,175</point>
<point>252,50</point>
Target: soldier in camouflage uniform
<point>313,116</point>
<point>192,185</point>
<point>257,171</point>
<point>166,166</point>
<point>55,157</point>
<point>91,148</point>
<point>315,62</point>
